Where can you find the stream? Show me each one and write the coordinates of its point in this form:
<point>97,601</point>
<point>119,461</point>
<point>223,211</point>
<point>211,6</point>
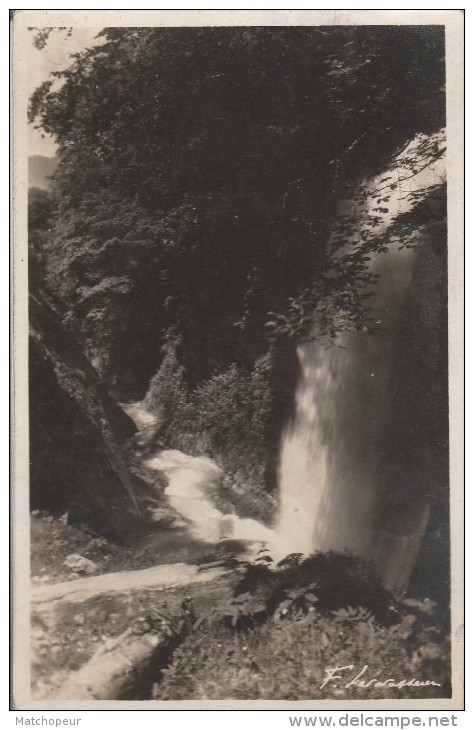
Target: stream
<point>192,482</point>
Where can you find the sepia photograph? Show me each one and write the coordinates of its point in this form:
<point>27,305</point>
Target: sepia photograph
<point>238,358</point>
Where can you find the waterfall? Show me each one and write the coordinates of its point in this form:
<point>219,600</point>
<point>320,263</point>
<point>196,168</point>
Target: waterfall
<point>361,416</point>
<point>364,456</point>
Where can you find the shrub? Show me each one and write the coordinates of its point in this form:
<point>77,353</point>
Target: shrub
<point>167,392</point>
<point>239,612</point>
<point>224,417</point>
<point>287,659</point>
<point>284,626</point>
<point>336,579</point>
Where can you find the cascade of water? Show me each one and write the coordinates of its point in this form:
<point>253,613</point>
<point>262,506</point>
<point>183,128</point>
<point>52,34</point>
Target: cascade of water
<point>360,460</point>
<point>348,423</point>
<point>361,426</point>
<point>191,481</point>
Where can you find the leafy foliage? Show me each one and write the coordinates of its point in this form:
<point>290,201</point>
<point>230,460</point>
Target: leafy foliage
<point>329,580</point>
<point>352,615</point>
<point>239,611</point>
<point>238,654</point>
<point>206,166</point>
<point>297,600</point>
<point>202,208</point>
<point>225,416</point>
<point>382,212</point>
<point>41,36</point>
<point>167,394</point>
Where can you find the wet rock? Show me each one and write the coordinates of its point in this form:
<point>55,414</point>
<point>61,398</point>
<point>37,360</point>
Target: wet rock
<point>146,476</point>
<point>161,517</point>
<point>79,564</point>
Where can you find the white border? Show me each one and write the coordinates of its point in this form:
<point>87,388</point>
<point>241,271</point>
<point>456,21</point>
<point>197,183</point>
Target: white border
<point>454,23</point>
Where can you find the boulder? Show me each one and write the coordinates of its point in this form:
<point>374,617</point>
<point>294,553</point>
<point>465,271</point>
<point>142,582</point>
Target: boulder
<point>79,564</point>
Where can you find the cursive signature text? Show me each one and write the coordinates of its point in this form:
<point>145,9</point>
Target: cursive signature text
<point>361,679</point>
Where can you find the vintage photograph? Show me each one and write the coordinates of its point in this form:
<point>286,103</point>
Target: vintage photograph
<point>240,484</point>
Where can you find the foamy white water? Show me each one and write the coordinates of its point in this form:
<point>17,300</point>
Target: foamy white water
<point>192,482</point>
<point>331,450</point>
<point>330,455</point>
<point>304,479</point>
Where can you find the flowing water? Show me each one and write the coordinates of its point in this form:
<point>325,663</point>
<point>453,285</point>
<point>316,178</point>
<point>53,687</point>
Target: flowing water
<point>329,469</point>
<point>192,484</point>
<point>363,456</point>
<point>192,480</point>
<point>356,424</point>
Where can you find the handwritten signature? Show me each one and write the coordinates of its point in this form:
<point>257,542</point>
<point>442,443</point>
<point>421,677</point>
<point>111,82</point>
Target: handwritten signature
<point>361,679</point>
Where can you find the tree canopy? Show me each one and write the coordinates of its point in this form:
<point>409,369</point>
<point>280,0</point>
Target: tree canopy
<point>200,173</point>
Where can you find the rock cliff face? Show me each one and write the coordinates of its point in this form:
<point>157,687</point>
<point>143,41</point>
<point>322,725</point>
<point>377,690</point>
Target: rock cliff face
<point>75,431</point>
